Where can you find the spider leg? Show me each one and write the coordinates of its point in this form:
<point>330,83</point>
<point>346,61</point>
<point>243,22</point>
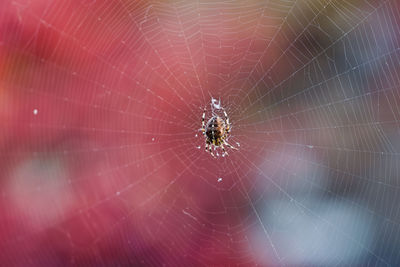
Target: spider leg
<point>210,150</point>
<point>203,125</point>
<point>228,145</point>
<point>223,150</point>
<point>228,125</point>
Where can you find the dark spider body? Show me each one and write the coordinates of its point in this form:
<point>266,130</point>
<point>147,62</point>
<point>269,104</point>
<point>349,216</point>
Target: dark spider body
<point>215,130</point>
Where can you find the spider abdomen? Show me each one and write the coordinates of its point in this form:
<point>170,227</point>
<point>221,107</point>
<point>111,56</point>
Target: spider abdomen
<point>215,130</point>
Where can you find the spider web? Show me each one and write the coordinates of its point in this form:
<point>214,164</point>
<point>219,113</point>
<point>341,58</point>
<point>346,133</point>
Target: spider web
<point>103,161</point>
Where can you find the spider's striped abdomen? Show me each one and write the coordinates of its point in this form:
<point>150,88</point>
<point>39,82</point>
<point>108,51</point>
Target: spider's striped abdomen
<point>215,130</point>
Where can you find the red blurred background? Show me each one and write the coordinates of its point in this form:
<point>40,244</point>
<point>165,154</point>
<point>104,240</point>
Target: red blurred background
<point>102,161</point>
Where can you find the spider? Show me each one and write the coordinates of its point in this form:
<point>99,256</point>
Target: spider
<point>216,132</point>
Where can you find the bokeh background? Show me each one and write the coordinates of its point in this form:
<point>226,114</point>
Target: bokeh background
<point>101,158</point>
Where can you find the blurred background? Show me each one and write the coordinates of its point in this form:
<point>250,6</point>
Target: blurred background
<point>102,161</point>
